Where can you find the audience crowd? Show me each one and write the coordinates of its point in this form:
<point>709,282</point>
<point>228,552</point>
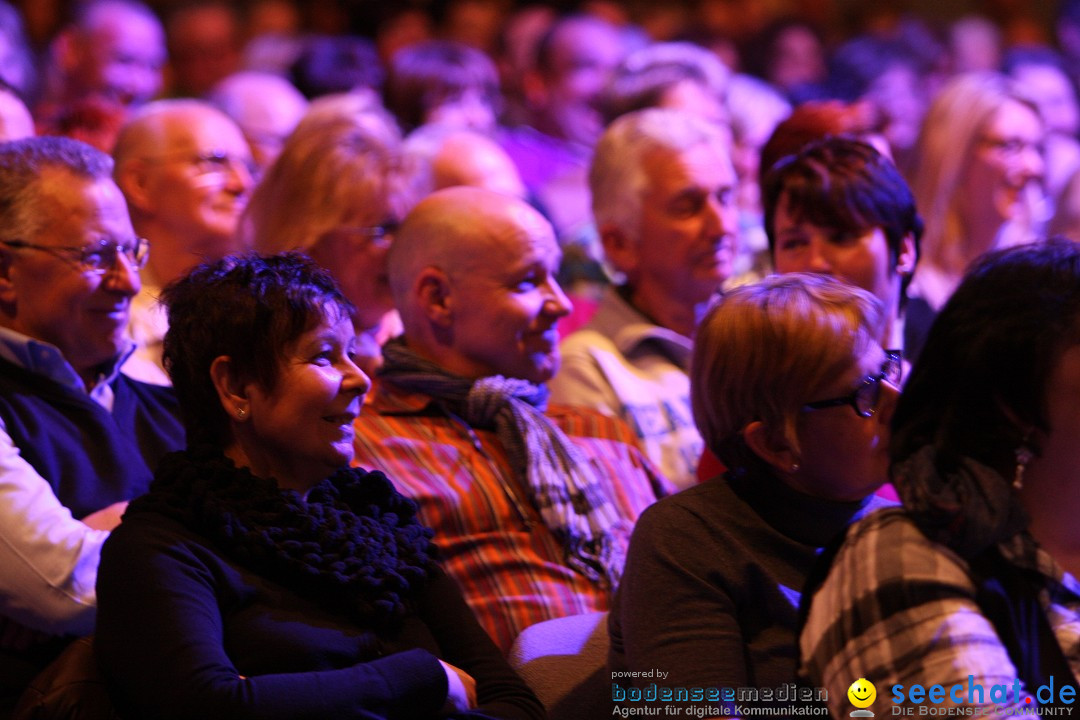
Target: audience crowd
<point>348,348</point>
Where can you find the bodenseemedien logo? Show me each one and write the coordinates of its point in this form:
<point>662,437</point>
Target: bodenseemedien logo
<point>862,694</point>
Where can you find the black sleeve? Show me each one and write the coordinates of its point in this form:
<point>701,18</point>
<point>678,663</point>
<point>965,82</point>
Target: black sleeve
<point>500,692</point>
<point>159,641</point>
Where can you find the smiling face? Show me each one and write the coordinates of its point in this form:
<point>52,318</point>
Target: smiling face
<point>301,431</point>
<point>83,315</point>
<point>686,242</point>
<point>844,456</point>
<point>1006,159</point>
<point>506,302</point>
<point>199,184</point>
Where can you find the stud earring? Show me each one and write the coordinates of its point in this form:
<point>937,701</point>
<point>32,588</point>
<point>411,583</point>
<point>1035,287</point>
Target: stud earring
<point>794,467</point>
<point>240,413</point>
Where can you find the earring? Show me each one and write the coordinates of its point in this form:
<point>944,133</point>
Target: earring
<point>1024,455</point>
<point>240,413</point>
<point>794,468</point>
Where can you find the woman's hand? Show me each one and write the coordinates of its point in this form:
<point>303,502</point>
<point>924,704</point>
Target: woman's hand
<point>460,691</point>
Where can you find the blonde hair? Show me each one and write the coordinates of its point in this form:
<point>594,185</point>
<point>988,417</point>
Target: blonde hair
<point>765,350</point>
<point>948,138</point>
<point>329,161</point>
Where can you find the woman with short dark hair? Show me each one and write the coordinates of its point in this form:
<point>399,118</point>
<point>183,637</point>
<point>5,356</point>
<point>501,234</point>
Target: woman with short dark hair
<point>261,576</point>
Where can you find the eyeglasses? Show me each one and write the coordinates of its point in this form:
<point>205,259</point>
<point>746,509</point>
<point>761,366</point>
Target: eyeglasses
<point>865,398</point>
<point>219,162</point>
<point>1012,147</point>
<point>212,162</point>
<point>96,258</point>
<point>378,236</point>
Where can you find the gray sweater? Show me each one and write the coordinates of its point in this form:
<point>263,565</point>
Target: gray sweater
<point>710,594</point>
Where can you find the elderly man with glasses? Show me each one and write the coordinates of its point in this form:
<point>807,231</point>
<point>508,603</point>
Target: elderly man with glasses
<point>186,172</point>
<point>77,438</point>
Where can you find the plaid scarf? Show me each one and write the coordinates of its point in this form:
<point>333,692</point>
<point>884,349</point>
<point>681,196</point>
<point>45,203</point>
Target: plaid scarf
<point>561,481</point>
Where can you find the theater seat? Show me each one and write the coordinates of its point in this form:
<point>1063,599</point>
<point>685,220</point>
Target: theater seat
<point>564,661</point>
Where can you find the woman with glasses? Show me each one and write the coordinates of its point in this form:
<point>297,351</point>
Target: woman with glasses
<point>335,193</point>
<point>973,583</point>
<point>792,390</point>
<point>977,177</point>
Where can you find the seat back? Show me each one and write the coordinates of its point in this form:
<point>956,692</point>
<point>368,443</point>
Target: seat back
<point>564,661</point>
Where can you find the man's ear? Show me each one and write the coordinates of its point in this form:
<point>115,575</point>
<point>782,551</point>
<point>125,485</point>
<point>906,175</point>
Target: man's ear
<point>620,250</point>
<point>231,391</point>
<point>773,450</point>
<point>434,295</point>
<point>133,178</point>
<point>906,257</point>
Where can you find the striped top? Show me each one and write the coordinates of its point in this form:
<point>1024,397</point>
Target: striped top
<point>898,608</point>
<point>492,540</point>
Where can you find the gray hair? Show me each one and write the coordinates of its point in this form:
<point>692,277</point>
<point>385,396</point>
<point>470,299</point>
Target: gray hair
<point>617,177</point>
<point>22,163</point>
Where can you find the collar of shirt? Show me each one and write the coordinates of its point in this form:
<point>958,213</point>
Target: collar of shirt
<point>387,399</point>
<point>45,359</point>
<point>629,329</point>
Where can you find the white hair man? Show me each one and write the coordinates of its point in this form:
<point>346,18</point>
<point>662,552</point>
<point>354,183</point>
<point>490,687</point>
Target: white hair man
<point>663,194</point>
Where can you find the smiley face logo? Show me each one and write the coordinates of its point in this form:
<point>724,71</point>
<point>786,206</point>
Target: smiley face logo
<point>862,693</point>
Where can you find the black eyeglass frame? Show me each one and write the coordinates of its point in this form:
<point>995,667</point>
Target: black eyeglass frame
<point>865,398</point>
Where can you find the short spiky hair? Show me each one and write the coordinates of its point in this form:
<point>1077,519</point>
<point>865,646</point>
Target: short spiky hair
<point>249,308</point>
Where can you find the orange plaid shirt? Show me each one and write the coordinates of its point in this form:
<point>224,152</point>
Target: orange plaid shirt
<point>492,540</point>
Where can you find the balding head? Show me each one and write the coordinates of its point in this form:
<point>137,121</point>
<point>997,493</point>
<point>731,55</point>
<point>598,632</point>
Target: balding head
<point>184,168</point>
<point>438,157</point>
<point>472,272</point>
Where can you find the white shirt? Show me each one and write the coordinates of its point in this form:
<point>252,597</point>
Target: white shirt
<point>48,559</point>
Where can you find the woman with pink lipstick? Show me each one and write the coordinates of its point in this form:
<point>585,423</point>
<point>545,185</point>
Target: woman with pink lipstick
<point>261,576</point>
<point>977,180</point>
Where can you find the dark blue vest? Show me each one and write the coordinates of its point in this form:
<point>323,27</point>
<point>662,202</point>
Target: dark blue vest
<point>91,457</point>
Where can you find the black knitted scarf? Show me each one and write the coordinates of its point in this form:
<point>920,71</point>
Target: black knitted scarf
<point>353,544</point>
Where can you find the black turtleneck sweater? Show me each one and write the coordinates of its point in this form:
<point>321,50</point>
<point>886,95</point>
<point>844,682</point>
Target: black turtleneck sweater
<point>712,583</point>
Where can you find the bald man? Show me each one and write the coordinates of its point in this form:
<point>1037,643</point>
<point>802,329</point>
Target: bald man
<point>440,156</point>
<point>532,505</point>
<point>185,169</point>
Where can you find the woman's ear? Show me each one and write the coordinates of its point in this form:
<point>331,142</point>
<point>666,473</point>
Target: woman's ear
<point>231,393</point>
<point>773,450</point>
